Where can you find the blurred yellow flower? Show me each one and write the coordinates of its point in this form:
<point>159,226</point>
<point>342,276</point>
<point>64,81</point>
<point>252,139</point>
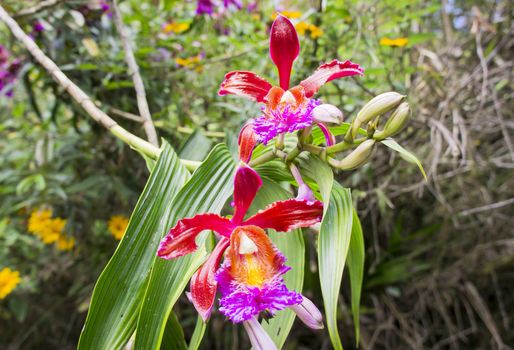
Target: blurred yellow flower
<point>288,14</point>
<point>65,243</point>
<point>303,27</point>
<point>43,226</point>
<point>190,62</point>
<point>400,42</point>
<point>174,27</point>
<point>117,226</point>
<point>9,279</point>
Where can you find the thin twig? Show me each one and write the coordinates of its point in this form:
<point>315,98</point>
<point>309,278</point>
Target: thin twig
<point>487,207</point>
<point>75,92</point>
<point>43,5</point>
<point>142,103</point>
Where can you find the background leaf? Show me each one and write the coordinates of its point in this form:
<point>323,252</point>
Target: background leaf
<point>206,191</point>
<point>118,292</point>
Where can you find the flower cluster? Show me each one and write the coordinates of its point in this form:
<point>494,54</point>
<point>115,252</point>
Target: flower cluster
<point>190,62</point>
<point>174,27</point>
<point>285,109</point>
<point>49,230</point>
<point>399,42</point>
<point>245,267</point>
<point>304,27</point>
<point>208,6</point>
<point>117,226</point>
<point>9,70</point>
<point>250,280</point>
<point>9,279</point>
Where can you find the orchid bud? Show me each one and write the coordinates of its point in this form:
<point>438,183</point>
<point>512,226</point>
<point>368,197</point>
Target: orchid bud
<point>327,113</point>
<point>258,337</point>
<point>378,105</point>
<point>309,314</point>
<point>395,123</point>
<point>357,157</point>
<point>305,193</point>
<point>247,141</point>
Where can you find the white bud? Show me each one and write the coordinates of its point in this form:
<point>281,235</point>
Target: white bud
<point>327,113</point>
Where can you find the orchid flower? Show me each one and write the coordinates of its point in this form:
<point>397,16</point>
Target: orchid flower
<point>250,278</point>
<point>285,109</point>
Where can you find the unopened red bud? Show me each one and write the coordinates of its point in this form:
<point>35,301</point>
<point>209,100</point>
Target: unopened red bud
<point>247,141</point>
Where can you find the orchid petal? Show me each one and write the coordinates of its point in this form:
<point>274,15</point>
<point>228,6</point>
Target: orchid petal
<point>258,337</point>
<point>181,238</point>
<point>284,48</point>
<point>247,141</point>
<point>309,314</point>
<point>246,184</point>
<point>203,284</point>
<point>288,215</point>
<point>330,71</point>
<point>246,84</point>
<point>329,137</point>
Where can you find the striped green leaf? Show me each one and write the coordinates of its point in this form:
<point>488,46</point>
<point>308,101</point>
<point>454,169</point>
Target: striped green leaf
<point>206,191</point>
<point>292,245</point>
<point>117,296</point>
<point>333,240</point>
<point>173,338</point>
<point>355,262</point>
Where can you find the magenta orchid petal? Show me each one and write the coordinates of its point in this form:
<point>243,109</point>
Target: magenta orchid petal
<point>327,72</point>
<point>181,238</point>
<point>246,84</point>
<point>329,137</point>
<point>284,48</point>
<point>203,283</point>
<point>246,184</point>
<point>288,215</point>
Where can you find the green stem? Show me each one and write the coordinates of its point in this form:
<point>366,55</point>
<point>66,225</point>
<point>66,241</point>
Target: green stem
<point>262,159</point>
<point>344,145</point>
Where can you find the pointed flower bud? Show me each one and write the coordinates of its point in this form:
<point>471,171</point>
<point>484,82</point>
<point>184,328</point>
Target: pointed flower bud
<point>396,122</point>
<point>305,193</point>
<point>258,337</point>
<point>357,157</point>
<point>327,113</point>
<point>378,105</point>
<point>309,314</point>
<point>247,141</point>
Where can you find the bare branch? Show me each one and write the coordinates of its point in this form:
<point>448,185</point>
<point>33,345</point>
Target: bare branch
<point>142,103</point>
<point>43,5</point>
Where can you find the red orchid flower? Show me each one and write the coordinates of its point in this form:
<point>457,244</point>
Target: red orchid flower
<point>280,216</point>
<point>285,109</point>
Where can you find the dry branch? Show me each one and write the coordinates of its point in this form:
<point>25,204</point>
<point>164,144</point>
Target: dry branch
<point>142,103</point>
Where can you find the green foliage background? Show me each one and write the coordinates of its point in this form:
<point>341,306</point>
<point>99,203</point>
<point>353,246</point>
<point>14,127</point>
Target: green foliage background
<point>439,253</point>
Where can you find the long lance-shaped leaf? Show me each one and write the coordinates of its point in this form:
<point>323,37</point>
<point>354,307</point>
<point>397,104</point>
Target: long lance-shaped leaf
<point>206,191</point>
<point>116,299</point>
<point>198,333</point>
<point>355,262</point>
<point>334,238</point>
<point>292,245</point>
<point>173,338</point>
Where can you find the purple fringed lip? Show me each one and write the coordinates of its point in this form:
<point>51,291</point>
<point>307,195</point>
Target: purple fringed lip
<point>240,302</point>
<point>276,122</point>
